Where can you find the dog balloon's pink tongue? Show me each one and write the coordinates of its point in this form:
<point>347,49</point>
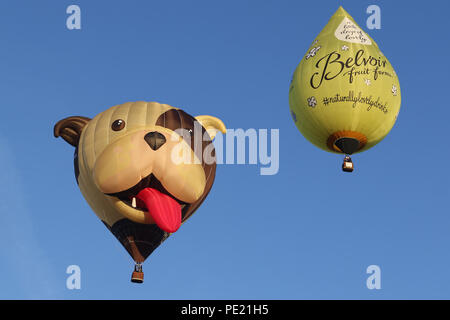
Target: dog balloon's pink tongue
<point>165,210</point>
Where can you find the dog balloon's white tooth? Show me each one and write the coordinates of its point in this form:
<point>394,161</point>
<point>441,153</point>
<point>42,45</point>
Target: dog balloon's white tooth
<point>133,202</point>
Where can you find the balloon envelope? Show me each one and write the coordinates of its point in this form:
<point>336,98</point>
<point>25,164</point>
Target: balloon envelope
<point>344,95</point>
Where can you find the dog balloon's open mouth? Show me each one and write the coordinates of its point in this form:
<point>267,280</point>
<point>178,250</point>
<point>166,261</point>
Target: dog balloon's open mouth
<point>151,197</point>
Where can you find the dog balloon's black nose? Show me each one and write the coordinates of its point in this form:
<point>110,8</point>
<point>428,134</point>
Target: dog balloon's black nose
<point>155,140</point>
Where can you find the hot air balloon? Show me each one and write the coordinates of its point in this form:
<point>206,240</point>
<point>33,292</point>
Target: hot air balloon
<point>144,168</point>
<point>344,95</point>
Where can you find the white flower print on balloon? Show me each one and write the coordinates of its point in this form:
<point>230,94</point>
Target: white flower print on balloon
<point>312,102</point>
<point>394,90</point>
<point>312,52</point>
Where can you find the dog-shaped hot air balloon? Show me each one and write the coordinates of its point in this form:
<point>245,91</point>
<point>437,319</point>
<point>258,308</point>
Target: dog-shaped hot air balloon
<point>144,168</point>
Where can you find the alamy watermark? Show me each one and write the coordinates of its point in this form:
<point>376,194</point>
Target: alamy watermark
<point>240,147</point>
<point>374,20</point>
<point>374,280</point>
<point>74,280</point>
<point>74,20</point>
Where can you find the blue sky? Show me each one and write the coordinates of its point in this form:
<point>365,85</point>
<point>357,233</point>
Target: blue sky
<point>292,235</point>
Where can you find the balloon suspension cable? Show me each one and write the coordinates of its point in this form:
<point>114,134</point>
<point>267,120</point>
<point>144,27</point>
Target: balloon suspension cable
<point>138,275</point>
<point>138,267</point>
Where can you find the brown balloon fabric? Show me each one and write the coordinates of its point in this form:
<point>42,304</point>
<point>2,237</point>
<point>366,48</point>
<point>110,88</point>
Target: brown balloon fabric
<point>178,119</point>
<point>140,240</point>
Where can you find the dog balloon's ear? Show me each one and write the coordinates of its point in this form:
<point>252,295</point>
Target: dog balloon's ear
<point>212,125</point>
<point>70,129</point>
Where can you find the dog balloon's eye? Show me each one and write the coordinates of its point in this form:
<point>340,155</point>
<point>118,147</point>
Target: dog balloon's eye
<point>118,125</point>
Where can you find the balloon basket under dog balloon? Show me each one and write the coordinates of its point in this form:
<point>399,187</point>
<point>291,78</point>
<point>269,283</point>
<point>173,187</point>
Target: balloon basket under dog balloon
<point>138,275</point>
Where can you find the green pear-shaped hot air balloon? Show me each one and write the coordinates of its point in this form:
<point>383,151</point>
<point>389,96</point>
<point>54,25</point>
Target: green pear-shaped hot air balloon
<point>344,95</point>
